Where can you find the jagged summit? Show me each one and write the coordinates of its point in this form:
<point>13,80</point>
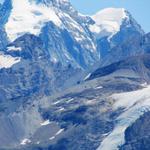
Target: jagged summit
<point>109,22</point>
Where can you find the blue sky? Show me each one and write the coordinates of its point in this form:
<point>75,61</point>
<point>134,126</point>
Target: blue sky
<point>140,9</point>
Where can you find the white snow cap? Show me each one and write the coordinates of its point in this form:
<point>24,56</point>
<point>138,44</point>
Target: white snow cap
<point>28,17</point>
<point>108,21</point>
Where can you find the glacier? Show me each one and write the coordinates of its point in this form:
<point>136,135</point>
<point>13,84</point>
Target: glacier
<point>135,104</point>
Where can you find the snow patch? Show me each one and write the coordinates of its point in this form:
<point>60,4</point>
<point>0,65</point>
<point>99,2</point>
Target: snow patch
<point>98,87</point>
<point>61,109</point>
<point>57,102</point>
<point>87,76</point>
<point>90,102</point>
<point>13,48</point>
<point>59,132</point>
<point>25,141</point>
<point>145,84</point>
<point>7,61</point>
<point>70,100</point>
<point>38,142</point>
<point>51,138</point>
<point>45,123</point>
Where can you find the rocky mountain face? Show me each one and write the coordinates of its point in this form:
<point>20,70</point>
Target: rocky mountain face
<point>91,115</point>
<point>29,75</point>
<point>137,135</point>
<point>145,43</point>
<point>133,46</point>
<point>33,72</point>
<point>48,101</point>
<point>132,67</point>
<point>69,41</point>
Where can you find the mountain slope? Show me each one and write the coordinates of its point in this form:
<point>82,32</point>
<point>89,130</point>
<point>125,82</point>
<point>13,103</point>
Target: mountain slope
<point>82,113</point>
<point>85,115</point>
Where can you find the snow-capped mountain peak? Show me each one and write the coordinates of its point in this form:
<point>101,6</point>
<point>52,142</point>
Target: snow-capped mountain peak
<point>27,16</point>
<point>108,21</point>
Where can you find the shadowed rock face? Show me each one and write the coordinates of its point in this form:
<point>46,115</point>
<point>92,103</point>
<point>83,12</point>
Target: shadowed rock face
<point>138,66</point>
<point>146,43</point>
<point>26,77</point>
<point>130,32</point>
<point>129,47</point>
<point>35,73</point>
<point>137,136</point>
